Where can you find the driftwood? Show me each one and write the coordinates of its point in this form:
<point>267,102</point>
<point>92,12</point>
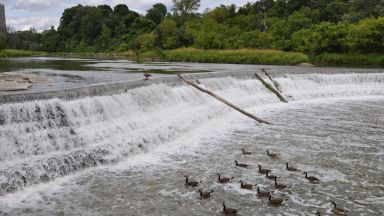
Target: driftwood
<point>277,87</point>
<point>224,101</point>
<point>268,86</point>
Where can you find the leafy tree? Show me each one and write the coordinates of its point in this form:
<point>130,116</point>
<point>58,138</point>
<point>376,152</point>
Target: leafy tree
<point>3,41</point>
<point>157,13</point>
<point>121,10</point>
<point>367,36</point>
<point>182,7</point>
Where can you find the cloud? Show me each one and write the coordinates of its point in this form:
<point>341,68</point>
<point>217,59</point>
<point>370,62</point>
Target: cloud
<point>33,4</point>
<point>39,23</point>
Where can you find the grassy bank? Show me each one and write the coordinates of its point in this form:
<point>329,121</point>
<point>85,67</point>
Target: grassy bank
<point>336,59</point>
<point>242,56</point>
<point>18,53</point>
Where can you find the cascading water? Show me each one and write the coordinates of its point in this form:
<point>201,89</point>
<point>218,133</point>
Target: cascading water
<point>44,140</point>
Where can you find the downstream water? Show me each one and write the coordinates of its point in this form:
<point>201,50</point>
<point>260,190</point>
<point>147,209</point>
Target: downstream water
<point>127,154</point>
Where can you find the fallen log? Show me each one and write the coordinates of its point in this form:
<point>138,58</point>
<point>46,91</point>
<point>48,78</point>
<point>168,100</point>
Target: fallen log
<point>274,91</point>
<point>272,80</point>
<point>224,101</point>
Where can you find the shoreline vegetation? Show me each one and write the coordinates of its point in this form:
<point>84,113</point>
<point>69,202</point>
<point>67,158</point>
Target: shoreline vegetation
<point>277,32</point>
<point>9,53</point>
<point>233,56</point>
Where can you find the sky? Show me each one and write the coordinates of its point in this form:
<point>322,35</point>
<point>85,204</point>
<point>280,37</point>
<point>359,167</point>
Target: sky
<point>42,14</point>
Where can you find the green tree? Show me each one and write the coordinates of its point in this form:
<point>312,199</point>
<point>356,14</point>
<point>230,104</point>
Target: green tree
<point>182,7</point>
<point>367,36</point>
<point>3,41</point>
<point>157,13</point>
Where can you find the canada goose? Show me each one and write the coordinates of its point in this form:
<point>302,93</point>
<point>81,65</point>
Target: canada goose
<point>338,211</point>
<point>246,153</point>
<point>272,155</point>
<point>317,213</point>
<point>241,164</point>
<point>263,171</point>
<point>190,183</point>
<point>272,177</point>
<point>280,186</point>
<point>291,168</point>
<point>147,75</point>
<point>206,194</point>
<point>275,201</point>
<point>311,178</point>
<point>261,193</point>
<point>229,211</point>
<point>246,186</point>
<point>223,179</point>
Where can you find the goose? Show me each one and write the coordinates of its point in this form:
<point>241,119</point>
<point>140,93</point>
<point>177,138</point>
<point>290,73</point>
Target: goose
<point>272,155</point>
<point>229,211</point>
<point>275,201</point>
<point>338,211</point>
<point>263,171</point>
<point>190,183</point>
<point>147,75</point>
<point>317,213</point>
<point>240,164</point>
<point>223,179</point>
<point>246,153</point>
<point>206,194</point>
<point>311,178</point>
<point>261,193</point>
<point>272,177</point>
<point>291,168</point>
<point>246,186</point>
<point>280,186</point>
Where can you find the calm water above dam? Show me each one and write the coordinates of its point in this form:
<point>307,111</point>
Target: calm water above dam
<point>127,154</point>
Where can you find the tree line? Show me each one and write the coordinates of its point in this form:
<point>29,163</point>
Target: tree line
<point>310,26</point>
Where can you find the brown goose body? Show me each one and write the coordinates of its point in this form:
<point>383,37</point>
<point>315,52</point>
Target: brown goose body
<point>147,75</point>
<point>338,211</point>
<point>293,169</point>
<point>229,211</point>
<point>263,171</point>
<point>311,178</point>
<point>190,183</point>
<point>275,201</point>
<point>240,164</point>
<point>261,193</point>
<point>272,177</point>
<point>205,194</point>
<point>246,153</point>
<point>223,179</point>
<point>272,155</point>
<point>246,186</point>
<point>280,186</point>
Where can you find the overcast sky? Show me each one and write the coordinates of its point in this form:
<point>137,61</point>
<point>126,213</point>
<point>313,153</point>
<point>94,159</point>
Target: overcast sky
<point>41,14</point>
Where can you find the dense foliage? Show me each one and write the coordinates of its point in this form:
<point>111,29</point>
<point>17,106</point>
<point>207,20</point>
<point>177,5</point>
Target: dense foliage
<point>310,26</point>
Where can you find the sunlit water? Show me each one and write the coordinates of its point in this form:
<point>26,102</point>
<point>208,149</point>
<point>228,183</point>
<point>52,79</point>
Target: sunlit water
<point>127,154</point>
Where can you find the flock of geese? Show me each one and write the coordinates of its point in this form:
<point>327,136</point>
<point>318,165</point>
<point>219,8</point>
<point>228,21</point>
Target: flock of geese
<point>274,201</point>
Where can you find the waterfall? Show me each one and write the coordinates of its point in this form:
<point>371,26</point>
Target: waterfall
<point>41,140</point>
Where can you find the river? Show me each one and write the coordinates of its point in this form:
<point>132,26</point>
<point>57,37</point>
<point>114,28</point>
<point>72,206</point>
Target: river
<point>127,153</point>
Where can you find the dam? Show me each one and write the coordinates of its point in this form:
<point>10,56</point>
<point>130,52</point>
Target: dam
<point>86,146</point>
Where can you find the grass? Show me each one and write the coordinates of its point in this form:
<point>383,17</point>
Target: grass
<point>347,59</point>
<point>18,53</point>
<point>241,56</point>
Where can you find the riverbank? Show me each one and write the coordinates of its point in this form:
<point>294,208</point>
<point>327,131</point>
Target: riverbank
<point>19,53</point>
<point>336,59</point>
<point>240,56</point>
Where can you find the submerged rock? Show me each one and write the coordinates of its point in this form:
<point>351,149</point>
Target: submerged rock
<point>12,81</point>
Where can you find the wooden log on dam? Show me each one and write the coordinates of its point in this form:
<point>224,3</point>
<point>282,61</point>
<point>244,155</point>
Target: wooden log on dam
<point>270,88</point>
<point>224,101</point>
